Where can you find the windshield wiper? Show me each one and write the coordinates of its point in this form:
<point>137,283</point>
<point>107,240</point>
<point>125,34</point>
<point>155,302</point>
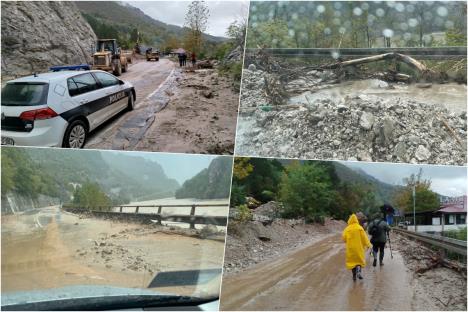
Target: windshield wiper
<point>95,298</point>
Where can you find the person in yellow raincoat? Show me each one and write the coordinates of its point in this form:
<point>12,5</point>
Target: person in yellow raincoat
<point>356,242</point>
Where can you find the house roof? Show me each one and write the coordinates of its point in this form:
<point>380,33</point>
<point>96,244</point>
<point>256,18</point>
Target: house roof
<point>455,207</point>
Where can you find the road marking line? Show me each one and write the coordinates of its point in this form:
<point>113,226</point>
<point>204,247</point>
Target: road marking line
<point>38,223</point>
<point>160,85</point>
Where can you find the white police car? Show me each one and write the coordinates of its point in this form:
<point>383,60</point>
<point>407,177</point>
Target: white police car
<point>61,107</point>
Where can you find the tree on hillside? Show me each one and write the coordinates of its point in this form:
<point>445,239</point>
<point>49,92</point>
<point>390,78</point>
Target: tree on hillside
<point>426,199</point>
<point>196,20</point>
<point>306,191</point>
<point>91,196</point>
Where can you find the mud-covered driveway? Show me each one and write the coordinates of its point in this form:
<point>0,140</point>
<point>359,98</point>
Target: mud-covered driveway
<point>315,278</point>
<point>150,79</point>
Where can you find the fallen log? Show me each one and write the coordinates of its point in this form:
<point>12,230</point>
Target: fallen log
<point>420,67</point>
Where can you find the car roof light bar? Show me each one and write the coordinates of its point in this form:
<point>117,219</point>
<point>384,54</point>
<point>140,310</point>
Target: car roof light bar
<point>70,67</point>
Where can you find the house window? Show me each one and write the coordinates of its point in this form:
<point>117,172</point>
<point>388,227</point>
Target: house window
<point>451,219</point>
<point>435,221</point>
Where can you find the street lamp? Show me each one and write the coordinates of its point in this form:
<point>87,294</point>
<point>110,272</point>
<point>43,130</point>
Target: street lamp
<point>414,207</point>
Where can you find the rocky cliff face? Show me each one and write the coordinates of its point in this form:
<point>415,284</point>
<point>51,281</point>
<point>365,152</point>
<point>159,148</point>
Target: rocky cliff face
<point>37,35</point>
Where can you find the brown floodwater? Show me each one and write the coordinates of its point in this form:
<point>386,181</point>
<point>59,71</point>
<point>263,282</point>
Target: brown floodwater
<point>315,278</point>
<point>48,249</point>
<point>449,95</point>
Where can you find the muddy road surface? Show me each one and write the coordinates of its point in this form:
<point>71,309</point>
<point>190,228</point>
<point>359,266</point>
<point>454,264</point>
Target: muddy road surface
<point>315,278</point>
<point>48,248</point>
<point>177,110</point>
<point>126,129</point>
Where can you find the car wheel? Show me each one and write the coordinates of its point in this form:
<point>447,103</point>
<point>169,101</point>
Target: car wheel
<point>130,106</point>
<point>75,135</point>
<point>118,69</point>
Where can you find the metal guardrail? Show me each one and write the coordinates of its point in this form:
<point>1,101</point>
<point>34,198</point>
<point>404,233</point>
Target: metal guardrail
<point>450,244</point>
<point>191,218</point>
<point>420,53</point>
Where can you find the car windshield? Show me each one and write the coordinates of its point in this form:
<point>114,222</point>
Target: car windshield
<point>24,94</point>
<point>88,223</point>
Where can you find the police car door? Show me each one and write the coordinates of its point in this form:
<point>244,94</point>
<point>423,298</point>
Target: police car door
<point>115,93</point>
<point>87,96</point>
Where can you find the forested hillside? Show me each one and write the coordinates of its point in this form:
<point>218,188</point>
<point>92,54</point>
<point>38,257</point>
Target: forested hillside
<point>211,183</point>
<point>356,24</point>
<point>313,188</point>
<point>55,172</point>
<point>111,19</point>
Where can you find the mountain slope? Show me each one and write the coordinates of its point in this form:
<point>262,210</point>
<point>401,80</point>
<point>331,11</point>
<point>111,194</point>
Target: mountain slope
<point>384,190</point>
<point>120,173</point>
<point>39,34</point>
<point>211,183</point>
<point>125,18</point>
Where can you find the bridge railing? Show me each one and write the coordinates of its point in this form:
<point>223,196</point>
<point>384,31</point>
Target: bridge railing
<point>159,216</point>
<point>434,53</point>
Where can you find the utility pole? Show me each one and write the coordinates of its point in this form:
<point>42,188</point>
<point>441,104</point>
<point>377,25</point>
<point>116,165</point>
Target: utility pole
<point>414,207</point>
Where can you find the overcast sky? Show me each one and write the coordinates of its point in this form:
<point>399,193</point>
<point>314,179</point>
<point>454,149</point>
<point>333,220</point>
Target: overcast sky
<point>222,13</point>
<point>446,180</point>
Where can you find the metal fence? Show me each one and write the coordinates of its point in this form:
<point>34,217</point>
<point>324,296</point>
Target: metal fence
<point>190,218</point>
<point>429,53</point>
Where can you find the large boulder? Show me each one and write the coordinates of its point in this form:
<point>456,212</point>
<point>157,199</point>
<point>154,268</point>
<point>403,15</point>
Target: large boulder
<point>39,34</point>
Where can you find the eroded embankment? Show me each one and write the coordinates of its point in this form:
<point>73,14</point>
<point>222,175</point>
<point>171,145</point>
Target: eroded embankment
<point>252,242</point>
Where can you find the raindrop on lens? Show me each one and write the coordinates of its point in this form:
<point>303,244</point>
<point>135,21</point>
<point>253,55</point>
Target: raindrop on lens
<point>380,12</point>
<point>387,32</point>
<point>335,55</point>
<point>413,22</point>
<point>320,8</point>
<point>400,7</point>
<point>442,11</point>
<point>357,11</point>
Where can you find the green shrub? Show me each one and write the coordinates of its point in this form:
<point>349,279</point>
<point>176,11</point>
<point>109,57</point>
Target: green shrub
<point>244,213</point>
<point>456,234</point>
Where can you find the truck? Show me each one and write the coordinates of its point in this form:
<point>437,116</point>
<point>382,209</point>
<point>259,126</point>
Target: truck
<point>109,57</point>
<point>129,55</point>
<point>152,54</point>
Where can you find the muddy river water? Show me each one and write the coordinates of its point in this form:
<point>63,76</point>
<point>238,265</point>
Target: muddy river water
<point>450,95</point>
<point>48,248</point>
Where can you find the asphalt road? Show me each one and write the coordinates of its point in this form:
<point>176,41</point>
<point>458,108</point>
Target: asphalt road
<point>315,278</point>
<point>125,130</point>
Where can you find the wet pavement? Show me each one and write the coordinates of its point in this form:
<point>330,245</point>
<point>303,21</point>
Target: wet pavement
<point>153,81</point>
<point>315,278</point>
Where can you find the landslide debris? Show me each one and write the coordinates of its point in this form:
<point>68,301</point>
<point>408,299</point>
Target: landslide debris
<point>267,237</point>
<point>361,127</point>
<point>438,282</point>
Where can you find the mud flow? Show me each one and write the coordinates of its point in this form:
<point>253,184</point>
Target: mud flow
<point>315,278</point>
<point>48,248</point>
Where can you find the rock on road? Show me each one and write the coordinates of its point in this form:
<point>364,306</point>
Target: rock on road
<point>125,129</point>
<point>315,278</point>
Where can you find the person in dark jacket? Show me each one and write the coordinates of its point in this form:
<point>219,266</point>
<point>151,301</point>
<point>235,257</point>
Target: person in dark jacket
<point>193,59</point>
<point>378,229</point>
<point>181,59</point>
<point>184,59</point>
